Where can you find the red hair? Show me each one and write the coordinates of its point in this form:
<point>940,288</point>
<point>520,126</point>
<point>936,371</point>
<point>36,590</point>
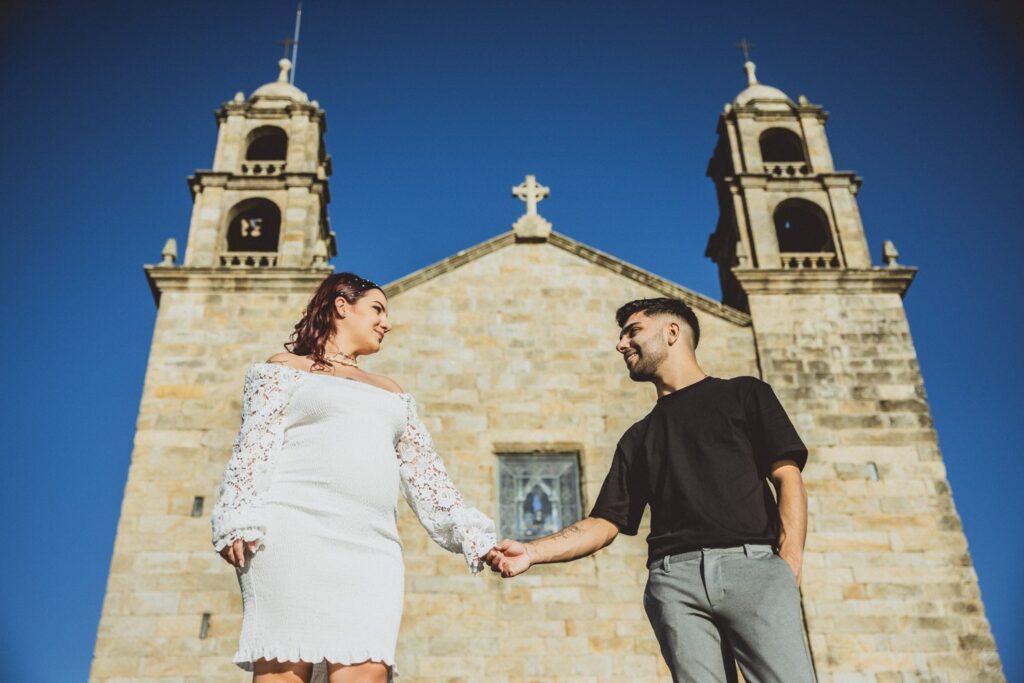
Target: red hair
<point>317,324</point>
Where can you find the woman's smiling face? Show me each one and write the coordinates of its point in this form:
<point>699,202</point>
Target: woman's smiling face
<point>365,322</point>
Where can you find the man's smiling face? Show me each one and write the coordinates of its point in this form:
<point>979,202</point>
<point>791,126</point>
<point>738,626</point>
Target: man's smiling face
<point>642,345</point>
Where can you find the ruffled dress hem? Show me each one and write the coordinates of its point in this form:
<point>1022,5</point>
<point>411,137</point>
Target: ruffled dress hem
<point>316,656</point>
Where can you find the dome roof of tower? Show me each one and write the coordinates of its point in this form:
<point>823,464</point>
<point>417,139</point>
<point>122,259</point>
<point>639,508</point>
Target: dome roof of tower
<point>759,91</point>
<point>281,88</point>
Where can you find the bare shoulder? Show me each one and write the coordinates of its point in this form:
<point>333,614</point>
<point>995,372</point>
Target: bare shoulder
<point>285,358</point>
<point>385,382</point>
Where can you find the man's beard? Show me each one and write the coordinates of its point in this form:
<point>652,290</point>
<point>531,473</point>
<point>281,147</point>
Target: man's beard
<point>648,360</point>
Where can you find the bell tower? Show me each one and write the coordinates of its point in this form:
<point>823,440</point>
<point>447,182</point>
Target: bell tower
<point>885,546</point>
<point>783,205</point>
<point>258,244</point>
<point>263,205</point>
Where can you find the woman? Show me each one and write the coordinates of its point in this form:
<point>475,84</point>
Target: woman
<point>307,510</point>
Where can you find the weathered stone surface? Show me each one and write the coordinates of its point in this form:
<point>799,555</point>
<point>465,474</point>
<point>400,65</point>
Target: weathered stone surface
<point>886,558</point>
<point>512,349</point>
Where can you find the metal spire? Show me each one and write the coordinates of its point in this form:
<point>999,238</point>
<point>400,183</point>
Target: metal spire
<point>295,43</point>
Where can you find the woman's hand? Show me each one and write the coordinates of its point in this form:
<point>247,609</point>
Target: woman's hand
<point>509,558</point>
<point>234,554</point>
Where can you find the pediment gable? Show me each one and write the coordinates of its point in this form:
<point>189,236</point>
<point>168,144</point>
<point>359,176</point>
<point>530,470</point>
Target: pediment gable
<point>611,263</point>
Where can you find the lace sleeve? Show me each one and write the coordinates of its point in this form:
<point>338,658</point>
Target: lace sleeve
<point>434,498</point>
<point>237,514</point>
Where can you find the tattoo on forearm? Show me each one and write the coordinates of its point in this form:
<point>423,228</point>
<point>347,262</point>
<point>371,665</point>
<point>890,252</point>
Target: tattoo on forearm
<point>565,534</point>
<point>568,532</point>
<point>572,542</point>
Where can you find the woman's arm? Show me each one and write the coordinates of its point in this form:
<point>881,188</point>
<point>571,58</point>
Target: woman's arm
<point>435,500</point>
<point>237,518</point>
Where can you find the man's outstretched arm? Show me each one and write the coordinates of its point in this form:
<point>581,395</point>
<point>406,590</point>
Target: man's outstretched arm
<point>583,538</point>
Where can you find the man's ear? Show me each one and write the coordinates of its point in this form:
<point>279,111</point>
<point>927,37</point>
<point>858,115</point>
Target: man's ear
<point>672,332</point>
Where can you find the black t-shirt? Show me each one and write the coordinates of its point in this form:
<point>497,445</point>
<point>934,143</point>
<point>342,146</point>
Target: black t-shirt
<point>701,460</point>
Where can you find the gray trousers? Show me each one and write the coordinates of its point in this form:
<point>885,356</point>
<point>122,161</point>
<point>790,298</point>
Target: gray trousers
<point>714,608</point>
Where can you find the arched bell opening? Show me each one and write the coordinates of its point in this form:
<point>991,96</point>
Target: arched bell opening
<point>783,145</point>
<point>804,234</point>
<point>266,143</point>
<point>254,225</point>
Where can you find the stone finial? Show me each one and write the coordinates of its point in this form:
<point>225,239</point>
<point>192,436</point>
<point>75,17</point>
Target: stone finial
<point>239,97</point>
<point>284,65</point>
<point>531,225</point>
<point>890,254</point>
<point>803,101</point>
<point>742,256</point>
<point>751,70</point>
<point>320,254</point>
<point>170,253</point>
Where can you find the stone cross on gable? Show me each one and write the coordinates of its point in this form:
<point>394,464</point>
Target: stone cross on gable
<point>531,192</point>
<point>531,226</point>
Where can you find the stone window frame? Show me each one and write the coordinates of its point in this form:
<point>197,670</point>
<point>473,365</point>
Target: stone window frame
<point>510,453</point>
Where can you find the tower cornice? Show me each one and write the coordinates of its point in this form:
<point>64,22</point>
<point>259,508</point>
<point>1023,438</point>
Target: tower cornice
<point>192,279</point>
<point>315,182</point>
<point>838,281</point>
<point>733,112</point>
<point>245,109</point>
<point>795,182</point>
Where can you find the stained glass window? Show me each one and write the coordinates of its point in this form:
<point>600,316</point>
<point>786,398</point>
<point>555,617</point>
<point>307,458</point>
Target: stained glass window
<point>537,494</point>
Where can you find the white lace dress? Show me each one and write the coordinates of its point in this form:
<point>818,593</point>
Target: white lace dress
<point>314,477</point>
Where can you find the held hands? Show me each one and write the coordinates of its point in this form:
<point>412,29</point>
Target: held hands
<point>235,553</point>
<point>585,537</point>
<point>509,558</point>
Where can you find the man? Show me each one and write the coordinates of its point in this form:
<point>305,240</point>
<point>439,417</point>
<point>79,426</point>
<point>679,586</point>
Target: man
<point>724,556</point>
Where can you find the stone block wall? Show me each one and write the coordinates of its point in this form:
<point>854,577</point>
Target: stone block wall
<point>164,574</point>
<point>515,352</point>
<point>890,594</point>
<point>512,350</point>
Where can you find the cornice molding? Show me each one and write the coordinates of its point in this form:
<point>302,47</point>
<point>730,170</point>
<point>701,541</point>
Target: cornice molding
<point>754,111</point>
<point>235,181</point>
<point>811,181</point>
<point>840,281</point>
<point>190,279</point>
<point>247,110</point>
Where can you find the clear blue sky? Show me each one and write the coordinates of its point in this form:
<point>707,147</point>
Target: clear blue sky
<point>435,110</point>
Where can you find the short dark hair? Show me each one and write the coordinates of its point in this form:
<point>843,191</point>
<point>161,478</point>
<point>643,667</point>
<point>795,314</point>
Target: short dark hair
<point>676,307</point>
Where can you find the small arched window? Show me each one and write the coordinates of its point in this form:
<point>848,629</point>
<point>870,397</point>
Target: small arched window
<point>780,144</point>
<point>254,225</point>
<point>802,227</point>
<point>266,143</point>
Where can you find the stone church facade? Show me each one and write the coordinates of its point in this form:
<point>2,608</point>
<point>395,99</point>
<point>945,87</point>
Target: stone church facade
<point>508,348</point>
